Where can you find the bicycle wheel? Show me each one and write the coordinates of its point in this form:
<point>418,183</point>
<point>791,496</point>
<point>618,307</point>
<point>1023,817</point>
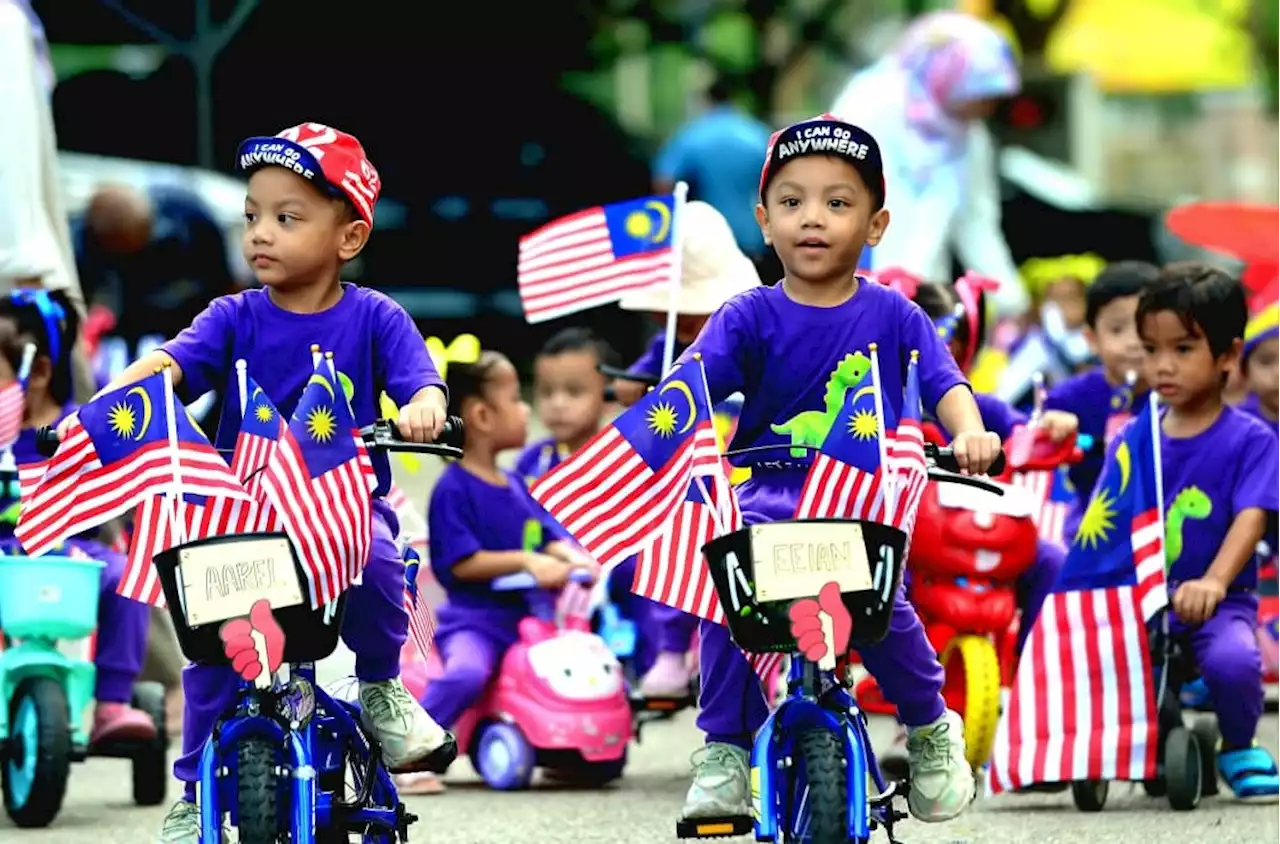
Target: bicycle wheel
<point>257,792</point>
<point>819,796</point>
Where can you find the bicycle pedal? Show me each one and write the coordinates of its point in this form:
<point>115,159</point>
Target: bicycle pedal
<point>728,827</point>
<point>436,762</point>
<point>662,704</point>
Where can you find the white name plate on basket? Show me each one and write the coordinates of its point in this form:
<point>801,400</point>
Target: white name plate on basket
<point>225,580</point>
<point>796,559</point>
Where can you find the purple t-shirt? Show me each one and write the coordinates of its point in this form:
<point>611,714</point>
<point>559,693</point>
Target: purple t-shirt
<point>466,515</point>
<point>376,348</point>
<point>1089,396</point>
<point>786,360</point>
<point>539,458</point>
<point>1209,479</point>
<point>1252,406</point>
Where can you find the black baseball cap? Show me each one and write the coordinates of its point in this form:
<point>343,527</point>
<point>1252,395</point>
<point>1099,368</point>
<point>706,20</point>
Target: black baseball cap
<point>826,135</point>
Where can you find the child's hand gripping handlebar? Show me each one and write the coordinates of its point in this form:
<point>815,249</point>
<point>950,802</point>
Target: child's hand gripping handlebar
<point>943,468</point>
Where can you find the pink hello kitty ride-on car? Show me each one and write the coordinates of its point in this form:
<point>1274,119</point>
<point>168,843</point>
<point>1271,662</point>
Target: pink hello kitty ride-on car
<point>558,702</point>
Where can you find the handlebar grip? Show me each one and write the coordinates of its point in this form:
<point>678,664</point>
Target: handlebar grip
<point>944,458</point>
<point>1084,442</point>
<point>452,432</point>
<point>513,582</point>
<point>47,441</point>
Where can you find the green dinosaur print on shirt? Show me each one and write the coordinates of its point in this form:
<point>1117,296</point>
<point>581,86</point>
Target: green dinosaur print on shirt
<point>1190,503</point>
<point>809,428</point>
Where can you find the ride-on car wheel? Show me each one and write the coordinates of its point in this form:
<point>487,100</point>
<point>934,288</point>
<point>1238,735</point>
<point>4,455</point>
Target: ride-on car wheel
<point>38,753</point>
<point>151,763</point>
<point>1089,795</point>
<point>503,757</point>
<point>257,812</point>
<point>589,774</point>
<point>1205,729</point>
<point>1182,769</point>
<point>822,772</point>
<point>972,688</point>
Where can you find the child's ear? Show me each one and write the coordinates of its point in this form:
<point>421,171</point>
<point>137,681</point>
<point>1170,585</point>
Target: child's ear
<point>1090,336</point>
<point>354,236</point>
<point>879,223</point>
<point>1230,359</point>
<point>762,219</point>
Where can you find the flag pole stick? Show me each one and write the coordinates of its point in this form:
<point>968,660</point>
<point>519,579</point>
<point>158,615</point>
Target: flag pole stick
<point>242,381</point>
<point>890,495</point>
<point>316,357</point>
<point>171,419</point>
<point>679,194</point>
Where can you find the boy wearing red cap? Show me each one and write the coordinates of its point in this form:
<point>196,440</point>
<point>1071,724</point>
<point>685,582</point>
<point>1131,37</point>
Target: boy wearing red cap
<point>309,209</point>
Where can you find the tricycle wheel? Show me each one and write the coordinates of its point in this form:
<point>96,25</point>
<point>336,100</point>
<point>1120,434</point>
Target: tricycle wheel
<point>1205,729</point>
<point>39,752</point>
<point>151,763</point>
<point>823,771</point>
<point>256,812</point>
<point>1182,769</point>
<point>503,757</point>
<point>1154,787</point>
<point>972,688</point>
<point>1089,795</point>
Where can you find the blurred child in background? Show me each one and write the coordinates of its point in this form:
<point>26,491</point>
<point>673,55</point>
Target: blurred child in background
<point>1258,364</point>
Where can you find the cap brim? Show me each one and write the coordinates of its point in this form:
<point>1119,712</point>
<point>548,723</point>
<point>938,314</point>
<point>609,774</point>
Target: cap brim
<point>254,155</point>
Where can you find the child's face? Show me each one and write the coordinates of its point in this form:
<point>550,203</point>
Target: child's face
<point>294,236</point>
<point>1264,374</point>
<point>1179,364</point>
<point>1069,295</point>
<point>818,215</point>
<point>570,393</point>
<point>1115,338</point>
<point>503,417</point>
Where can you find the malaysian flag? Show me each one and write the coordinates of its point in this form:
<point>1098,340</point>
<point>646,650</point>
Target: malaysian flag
<point>198,517</point>
<point>115,454</point>
<point>12,405</point>
<point>906,456</point>
<point>596,256</point>
<point>260,430</point>
<point>1083,707</point>
<point>421,628</point>
<point>846,480</point>
<point>320,481</point>
<point>615,494</point>
<point>413,527</point>
<point>1052,494</point>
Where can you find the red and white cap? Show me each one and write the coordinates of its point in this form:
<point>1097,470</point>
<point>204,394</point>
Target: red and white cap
<point>329,158</point>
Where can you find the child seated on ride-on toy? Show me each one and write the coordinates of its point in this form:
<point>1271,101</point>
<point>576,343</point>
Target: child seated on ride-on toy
<point>1220,478</point>
<point>940,302</point>
<point>48,322</point>
<point>477,523</point>
<point>309,210</point>
<point>570,402</point>
<point>789,349</point>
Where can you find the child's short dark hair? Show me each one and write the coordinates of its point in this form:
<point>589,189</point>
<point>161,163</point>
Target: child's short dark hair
<point>468,380</point>
<point>579,340</point>
<point>1116,281</point>
<point>938,300</point>
<point>48,320</point>
<point>1209,302</point>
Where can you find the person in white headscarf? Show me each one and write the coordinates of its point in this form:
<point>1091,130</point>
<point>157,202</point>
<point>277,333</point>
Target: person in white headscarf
<point>925,102</point>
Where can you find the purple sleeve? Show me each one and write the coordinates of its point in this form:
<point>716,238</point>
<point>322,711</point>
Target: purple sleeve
<point>451,527</point>
<point>937,369</point>
<point>527,463</point>
<point>728,350</point>
<point>997,416</point>
<point>1259,474</point>
<point>401,362</point>
<point>203,349</point>
<point>650,361</point>
<point>1063,396</point>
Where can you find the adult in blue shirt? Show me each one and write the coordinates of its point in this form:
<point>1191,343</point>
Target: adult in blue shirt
<point>719,153</point>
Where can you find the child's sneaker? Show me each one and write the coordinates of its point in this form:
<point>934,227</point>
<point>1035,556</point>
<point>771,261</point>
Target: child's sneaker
<point>941,780</point>
<point>1251,773</point>
<point>120,722</point>
<point>410,739</point>
<point>182,825</point>
<point>720,786</point>
<point>668,677</point>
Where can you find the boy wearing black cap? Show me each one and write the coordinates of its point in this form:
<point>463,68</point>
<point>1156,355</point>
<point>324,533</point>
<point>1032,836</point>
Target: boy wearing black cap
<point>821,200</point>
<point>309,209</point>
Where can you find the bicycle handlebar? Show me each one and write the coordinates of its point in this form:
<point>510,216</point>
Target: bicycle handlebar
<point>522,580</point>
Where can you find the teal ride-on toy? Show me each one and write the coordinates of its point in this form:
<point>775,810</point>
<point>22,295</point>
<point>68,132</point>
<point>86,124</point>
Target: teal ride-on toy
<point>47,694</point>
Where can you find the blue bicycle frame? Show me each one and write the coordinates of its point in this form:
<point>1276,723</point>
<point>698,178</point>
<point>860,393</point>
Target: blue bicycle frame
<point>322,744</point>
<point>815,701</point>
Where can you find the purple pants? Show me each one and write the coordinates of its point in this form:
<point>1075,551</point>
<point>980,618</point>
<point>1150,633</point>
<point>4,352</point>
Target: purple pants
<point>122,626</point>
<point>472,653</point>
<point>659,628</point>
<point>374,628</point>
<point>1226,651</point>
<point>732,702</point>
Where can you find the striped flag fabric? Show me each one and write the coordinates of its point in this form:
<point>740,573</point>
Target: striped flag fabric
<point>413,527</point>
<point>846,480</point>
<point>595,257</point>
<point>115,454</point>
<point>320,481</point>
<point>260,430</point>
<point>153,533</point>
<point>616,493</point>
<point>421,627</point>
<point>909,468</point>
<point>12,406</point>
<point>1051,492</point>
<point>1083,706</point>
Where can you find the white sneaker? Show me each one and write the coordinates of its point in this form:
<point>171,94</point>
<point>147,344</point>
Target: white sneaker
<point>410,739</point>
<point>182,825</point>
<point>720,787</point>
<point>941,781</point>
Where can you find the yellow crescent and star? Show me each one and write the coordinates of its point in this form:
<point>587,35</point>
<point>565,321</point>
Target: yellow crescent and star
<point>1099,517</point>
<point>123,418</point>
<point>640,223</point>
<point>321,421</point>
<point>862,423</point>
<point>662,417</point>
<point>261,412</point>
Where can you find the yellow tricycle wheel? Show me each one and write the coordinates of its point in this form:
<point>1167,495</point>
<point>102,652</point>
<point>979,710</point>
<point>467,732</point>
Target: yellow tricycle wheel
<point>972,688</point>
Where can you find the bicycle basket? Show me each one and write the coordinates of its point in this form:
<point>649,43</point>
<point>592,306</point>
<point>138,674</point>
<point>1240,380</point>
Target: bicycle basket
<point>211,580</point>
<point>794,559</point>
